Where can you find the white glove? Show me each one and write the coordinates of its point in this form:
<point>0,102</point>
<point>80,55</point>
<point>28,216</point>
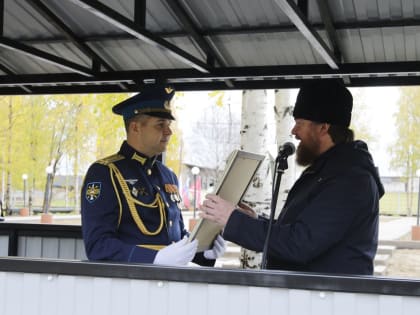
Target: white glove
<point>177,254</point>
<point>219,248</point>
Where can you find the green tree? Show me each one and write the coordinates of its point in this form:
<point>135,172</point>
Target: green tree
<point>405,152</point>
<point>49,130</point>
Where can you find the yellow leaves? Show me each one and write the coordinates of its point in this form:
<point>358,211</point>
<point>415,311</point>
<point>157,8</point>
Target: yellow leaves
<point>173,157</point>
<point>218,96</point>
<point>37,129</point>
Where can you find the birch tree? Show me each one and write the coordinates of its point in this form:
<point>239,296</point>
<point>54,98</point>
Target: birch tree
<point>283,109</point>
<point>256,136</point>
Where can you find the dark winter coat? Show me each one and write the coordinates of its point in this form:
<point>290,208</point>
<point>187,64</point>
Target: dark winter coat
<point>329,223</point>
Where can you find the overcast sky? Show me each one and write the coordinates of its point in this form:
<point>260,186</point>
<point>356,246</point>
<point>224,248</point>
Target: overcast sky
<point>381,104</point>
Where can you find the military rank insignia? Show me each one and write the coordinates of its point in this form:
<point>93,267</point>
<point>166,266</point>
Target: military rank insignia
<point>93,190</point>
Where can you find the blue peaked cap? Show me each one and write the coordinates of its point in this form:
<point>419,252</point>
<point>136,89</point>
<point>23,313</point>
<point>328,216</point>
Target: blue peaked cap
<point>153,100</point>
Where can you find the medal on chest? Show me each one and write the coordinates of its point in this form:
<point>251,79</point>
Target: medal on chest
<point>172,191</point>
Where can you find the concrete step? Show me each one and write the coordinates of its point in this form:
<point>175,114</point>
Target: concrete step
<point>379,270</point>
<point>228,263</point>
<point>386,249</point>
<point>381,259</point>
<point>231,257</point>
<point>232,251</point>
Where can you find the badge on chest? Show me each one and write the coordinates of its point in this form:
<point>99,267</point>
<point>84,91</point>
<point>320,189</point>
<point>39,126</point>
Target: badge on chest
<point>137,188</point>
<point>172,191</point>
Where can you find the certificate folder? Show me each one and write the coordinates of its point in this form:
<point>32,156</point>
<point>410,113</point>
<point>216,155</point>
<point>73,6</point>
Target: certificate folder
<point>238,174</point>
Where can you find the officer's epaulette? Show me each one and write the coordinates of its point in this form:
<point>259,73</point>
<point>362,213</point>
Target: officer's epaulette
<point>110,159</point>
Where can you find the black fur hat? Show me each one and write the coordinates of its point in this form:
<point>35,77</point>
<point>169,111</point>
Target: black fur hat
<point>324,101</point>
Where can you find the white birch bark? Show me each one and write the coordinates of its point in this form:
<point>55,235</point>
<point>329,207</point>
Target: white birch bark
<point>284,124</point>
<point>257,134</point>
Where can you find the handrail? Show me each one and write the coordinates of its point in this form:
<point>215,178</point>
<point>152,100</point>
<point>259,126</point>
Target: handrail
<point>258,278</point>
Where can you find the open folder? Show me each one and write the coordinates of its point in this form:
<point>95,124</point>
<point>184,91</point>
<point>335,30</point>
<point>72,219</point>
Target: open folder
<point>240,169</point>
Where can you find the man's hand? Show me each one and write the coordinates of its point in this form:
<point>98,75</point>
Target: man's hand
<point>177,254</point>
<point>217,209</point>
<point>219,248</point>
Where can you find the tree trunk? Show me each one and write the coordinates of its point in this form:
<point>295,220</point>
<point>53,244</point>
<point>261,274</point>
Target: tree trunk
<point>257,134</point>
<point>8,196</point>
<point>284,124</point>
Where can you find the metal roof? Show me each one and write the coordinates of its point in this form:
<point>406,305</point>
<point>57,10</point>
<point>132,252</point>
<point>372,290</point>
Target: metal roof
<point>80,46</point>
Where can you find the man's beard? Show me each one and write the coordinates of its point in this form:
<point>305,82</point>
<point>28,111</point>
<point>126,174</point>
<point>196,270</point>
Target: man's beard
<point>307,153</point>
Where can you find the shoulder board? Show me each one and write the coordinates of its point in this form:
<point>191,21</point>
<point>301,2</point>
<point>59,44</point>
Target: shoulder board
<point>111,159</point>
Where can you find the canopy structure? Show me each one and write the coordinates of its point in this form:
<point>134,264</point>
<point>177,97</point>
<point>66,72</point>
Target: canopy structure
<point>84,46</point>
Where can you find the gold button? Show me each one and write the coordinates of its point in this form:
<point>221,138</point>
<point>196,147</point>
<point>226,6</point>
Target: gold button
<point>170,223</point>
<point>167,205</point>
<point>149,172</point>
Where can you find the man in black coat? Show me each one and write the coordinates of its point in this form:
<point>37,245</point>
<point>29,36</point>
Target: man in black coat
<point>329,223</point>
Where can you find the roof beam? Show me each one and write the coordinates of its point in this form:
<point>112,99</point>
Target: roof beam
<point>189,25</point>
<point>212,85</point>
<point>266,73</point>
<point>326,17</point>
<point>303,25</point>
<point>43,56</point>
<point>3,67</point>
<point>140,13</point>
<point>1,17</point>
<point>265,29</point>
<point>6,70</point>
<point>120,21</point>
<point>52,18</point>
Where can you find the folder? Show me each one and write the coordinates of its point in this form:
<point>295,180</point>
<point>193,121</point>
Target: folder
<point>237,176</point>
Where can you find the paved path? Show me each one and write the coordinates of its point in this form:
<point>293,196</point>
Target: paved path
<point>396,228</point>
<point>57,219</point>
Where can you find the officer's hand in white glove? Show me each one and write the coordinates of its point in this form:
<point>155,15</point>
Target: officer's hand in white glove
<point>219,248</point>
<point>177,254</point>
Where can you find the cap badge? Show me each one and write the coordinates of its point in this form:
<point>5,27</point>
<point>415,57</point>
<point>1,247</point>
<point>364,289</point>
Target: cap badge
<point>167,105</point>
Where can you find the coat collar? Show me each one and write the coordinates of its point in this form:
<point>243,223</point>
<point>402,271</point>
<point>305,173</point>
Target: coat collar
<point>130,153</point>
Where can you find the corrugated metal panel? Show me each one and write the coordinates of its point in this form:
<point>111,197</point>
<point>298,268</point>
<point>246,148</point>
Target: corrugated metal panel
<point>261,47</point>
<point>31,293</point>
<point>23,22</point>
<point>267,49</point>
<point>135,55</point>
<point>361,10</point>
<point>4,245</point>
<point>379,45</point>
<point>235,13</point>
<point>67,51</point>
<point>21,63</point>
<point>51,247</point>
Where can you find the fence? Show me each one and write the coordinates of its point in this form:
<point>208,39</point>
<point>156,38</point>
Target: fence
<point>399,203</point>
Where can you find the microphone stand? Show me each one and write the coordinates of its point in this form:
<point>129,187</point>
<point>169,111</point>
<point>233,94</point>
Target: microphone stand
<point>280,166</point>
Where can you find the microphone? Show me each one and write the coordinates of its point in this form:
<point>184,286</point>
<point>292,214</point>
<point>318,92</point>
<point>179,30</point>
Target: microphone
<point>288,148</point>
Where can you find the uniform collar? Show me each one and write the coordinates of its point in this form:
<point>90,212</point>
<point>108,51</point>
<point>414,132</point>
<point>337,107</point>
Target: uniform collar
<point>130,153</point>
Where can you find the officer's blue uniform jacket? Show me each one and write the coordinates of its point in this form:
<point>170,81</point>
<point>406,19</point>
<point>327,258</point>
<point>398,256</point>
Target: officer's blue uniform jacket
<point>130,208</point>
<point>329,223</point>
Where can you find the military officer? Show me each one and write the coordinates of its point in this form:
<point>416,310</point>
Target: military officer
<point>130,200</point>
